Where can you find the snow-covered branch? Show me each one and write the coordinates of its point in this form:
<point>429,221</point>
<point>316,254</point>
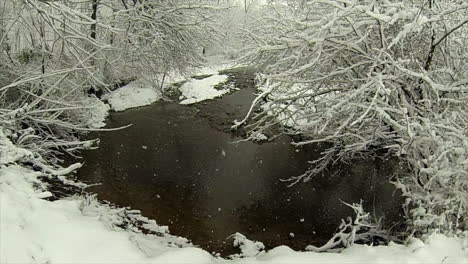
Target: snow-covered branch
<point>353,74</point>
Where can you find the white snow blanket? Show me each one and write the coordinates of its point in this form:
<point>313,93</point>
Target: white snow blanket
<point>141,93</point>
<point>195,91</point>
<point>132,95</point>
<point>37,231</point>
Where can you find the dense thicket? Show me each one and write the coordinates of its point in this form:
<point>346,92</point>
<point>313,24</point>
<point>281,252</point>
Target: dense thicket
<point>373,77</point>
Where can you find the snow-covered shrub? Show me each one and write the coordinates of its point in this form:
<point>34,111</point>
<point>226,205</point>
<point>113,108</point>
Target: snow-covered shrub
<point>9,153</point>
<point>357,229</point>
<point>373,78</point>
<point>248,247</point>
<point>257,136</point>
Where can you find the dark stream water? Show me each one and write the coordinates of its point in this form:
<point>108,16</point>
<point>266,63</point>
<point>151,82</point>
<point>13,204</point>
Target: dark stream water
<point>177,166</point>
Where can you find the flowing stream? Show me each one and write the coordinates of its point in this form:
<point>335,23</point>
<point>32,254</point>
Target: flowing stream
<point>182,167</point>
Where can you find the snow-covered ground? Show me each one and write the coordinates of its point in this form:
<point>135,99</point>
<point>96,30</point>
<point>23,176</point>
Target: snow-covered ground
<point>194,91</point>
<point>214,65</point>
<point>93,112</point>
<point>134,94</point>
<point>34,230</point>
<point>140,93</point>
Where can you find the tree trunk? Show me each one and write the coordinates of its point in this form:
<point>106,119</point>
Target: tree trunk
<point>94,17</point>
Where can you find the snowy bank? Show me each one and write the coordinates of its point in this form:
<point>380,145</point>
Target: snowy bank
<point>140,93</point>
<point>34,230</point>
<point>132,95</point>
<point>75,230</point>
<point>437,249</point>
<point>214,66</point>
<point>81,230</point>
<point>195,91</point>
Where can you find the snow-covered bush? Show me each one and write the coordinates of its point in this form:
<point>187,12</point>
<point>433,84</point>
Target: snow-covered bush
<point>248,247</point>
<point>357,229</point>
<point>379,78</point>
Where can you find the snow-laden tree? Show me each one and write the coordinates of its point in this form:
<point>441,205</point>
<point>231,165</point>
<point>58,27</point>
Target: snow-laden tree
<point>168,36</point>
<point>374,78</point>
<point>235,21</point>
<point>54,53</point>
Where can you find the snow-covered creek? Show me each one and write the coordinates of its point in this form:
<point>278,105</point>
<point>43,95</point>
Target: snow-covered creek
<point>178,167</point>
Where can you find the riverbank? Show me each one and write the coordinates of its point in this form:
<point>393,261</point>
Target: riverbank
<point>79,231</point>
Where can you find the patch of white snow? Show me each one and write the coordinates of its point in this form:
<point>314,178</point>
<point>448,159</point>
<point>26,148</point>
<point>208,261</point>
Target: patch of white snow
<point>200,90</point>
<point>95,112</point>
<point>248,247</point>
<point>135,94</point>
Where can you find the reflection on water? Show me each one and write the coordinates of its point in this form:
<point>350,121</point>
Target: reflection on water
<point>176,168</point>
